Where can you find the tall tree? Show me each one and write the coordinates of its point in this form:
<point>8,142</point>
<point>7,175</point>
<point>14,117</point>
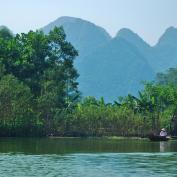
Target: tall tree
<point>44,64</point>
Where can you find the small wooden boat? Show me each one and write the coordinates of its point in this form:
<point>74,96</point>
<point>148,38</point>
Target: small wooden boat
<point>158,138</point>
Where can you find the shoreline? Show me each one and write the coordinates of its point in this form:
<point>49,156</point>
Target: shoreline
<point>73,137</point>
<point>96,137</point>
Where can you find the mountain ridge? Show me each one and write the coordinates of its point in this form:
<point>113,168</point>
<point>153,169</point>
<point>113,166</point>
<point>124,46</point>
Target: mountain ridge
<point>72,19</point>
<point>114,66</point>
<point>81,33</point>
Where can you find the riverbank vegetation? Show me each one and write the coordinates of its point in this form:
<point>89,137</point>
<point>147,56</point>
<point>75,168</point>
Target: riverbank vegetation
<point>39,94</point>
<point>155,107</point>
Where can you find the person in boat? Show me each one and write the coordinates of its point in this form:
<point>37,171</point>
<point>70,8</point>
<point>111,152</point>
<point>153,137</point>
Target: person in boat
<point>163,132</point>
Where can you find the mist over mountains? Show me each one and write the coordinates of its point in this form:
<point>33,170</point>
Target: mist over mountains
<point>113,67</point>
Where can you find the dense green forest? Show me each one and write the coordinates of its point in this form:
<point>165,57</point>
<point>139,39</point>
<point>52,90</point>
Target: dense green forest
<point>39,94</point>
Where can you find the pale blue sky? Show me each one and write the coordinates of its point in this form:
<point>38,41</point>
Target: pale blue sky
<point>148,18</point>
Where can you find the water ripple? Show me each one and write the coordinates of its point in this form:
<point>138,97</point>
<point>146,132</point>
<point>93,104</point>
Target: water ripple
<point>89,165</point>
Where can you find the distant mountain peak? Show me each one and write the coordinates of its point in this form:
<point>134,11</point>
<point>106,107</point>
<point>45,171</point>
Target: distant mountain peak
<point>169,37</point>
<point>84,35</point>
<point>171,29</point>
<point>6,29</point>
<point>69,19</point>
<point>3,27</point>
<point>125,31</point>
<point>131,37</point>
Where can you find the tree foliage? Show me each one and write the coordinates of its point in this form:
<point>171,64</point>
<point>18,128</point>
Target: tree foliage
<point>41,64</point>
<point>170,77</point>
<point>39,94</point>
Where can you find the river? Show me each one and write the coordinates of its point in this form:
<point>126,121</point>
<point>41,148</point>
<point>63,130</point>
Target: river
<point>92,157</point>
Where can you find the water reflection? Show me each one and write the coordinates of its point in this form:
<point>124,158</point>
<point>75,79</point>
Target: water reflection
<point>162,146</point>
<point>79,145</point>
<point>77,157</point>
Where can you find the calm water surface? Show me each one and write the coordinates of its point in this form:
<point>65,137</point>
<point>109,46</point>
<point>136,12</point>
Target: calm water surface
<point>74,157</point>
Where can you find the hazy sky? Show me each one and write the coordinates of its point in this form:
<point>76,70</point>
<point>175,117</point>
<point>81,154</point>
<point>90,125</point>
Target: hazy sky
<point>148,18</point>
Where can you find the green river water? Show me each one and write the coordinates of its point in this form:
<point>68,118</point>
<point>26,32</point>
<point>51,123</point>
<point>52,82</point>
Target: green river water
<point>92,157</point>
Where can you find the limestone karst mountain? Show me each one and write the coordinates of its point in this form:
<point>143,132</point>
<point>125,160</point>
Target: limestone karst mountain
<point>111,67</point>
